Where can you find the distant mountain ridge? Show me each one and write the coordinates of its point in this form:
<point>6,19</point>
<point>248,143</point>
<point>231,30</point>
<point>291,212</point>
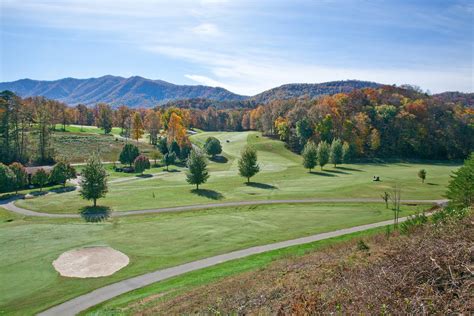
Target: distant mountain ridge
<point>311,90</point>
<point>134,91</point>
<point>141,92</point>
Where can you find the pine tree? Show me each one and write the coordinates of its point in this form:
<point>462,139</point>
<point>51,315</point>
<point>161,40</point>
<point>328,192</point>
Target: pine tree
<point>94,180</point>
<point>128,154</point>
<point>335,155</point>
<point>168,159</point>
<point>310,156</point>
<point>323,154</point>
<point>197,168</point>
<point>248,166</point>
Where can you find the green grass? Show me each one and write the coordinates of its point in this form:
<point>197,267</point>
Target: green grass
<point>127,303</point>
<point>86,129</point>
<point>29,283</point>
<point>282,177</point>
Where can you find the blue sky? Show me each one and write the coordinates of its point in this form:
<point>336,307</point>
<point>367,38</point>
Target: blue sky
<point>244,46</point>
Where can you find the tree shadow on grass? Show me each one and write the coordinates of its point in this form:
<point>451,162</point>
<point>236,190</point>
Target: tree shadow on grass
<point>144,176</point>
<point>96,214</point>
<point>210,194</point>
<point>261,185</point>
<point>219,159</point>
<point>430,183</point>
<point>348,169</point>
<point>38,193</point>
<point>336,171</point>
<point>171,170</point>
<point>324,174</point>
<point>63,190</point>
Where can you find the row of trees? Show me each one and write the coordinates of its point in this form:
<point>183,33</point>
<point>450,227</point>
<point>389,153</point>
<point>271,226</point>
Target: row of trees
<point>15,177</point>
<point>335,153</point>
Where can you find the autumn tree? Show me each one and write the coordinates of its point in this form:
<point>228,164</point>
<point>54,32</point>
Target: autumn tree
<point>128,154</point>
<point>141,163</point>
<point>153,125</point>
<point>122,114</point>
<point>336,152</point>
<point>94,180</point>
<point>104,117</point>
<point>81,115</point>
<point>20,178</point>
<point>323,153</point>
<point>248,166</point>
<point>310,155</point>
<point>374,140</point>
<point>282,128</point>
<point>422,175</point>
<point>137,126</point>
<point>346,153</point>
<point>40,178</point>
<point>197,168</point>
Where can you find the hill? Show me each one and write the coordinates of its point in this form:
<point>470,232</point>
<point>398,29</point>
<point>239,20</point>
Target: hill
<point>466,99</point>
<point>297,90</point>
<point>134,91</point>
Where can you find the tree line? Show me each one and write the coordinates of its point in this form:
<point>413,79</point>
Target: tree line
<point>375,122</point>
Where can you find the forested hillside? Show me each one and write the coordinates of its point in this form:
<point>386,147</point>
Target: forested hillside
<point>133,92</point>
<point>382,122</point>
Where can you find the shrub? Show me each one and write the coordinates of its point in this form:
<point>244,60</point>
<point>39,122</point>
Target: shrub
<point>20,178</point>
<point>141,163</point>
<point>7,177</point>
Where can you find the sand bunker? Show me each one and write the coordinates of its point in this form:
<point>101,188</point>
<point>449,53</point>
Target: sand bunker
<point>90,262</point>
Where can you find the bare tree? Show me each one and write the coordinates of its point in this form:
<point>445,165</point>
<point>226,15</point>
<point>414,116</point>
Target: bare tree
<point>395,198</point>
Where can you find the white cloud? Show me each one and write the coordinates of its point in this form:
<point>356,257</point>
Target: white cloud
<point>206,29</point>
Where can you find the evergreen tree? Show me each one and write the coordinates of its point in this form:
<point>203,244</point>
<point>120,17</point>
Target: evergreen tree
<point>335,155</point>
<point>346,153</point>
<point>141,163</point>
<point>40,178</point>
<point>248,166</point>
<point>162,146</point>
<point>168,159</point>
<point>303,130</point>
<point>461,187</point>
<point>174,148</point>
<point>7,177</point>
<point>323,153</point>
<point>128,154</point>
<point>197,168</point>
<point>94,180</point>
<point>310,156</point>
<point>213,146</point>
<point>20,178</point>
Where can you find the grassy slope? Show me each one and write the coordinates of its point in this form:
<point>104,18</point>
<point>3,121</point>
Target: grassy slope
<point>28,282</point>
<point>140,299</point>
<point>282,177</point>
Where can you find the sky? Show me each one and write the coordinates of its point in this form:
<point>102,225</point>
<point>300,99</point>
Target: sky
<point>243,46</point>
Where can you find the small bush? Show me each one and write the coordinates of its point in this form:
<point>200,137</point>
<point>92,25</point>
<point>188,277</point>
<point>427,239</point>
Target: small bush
<point>362,246</point>
<point>413,221</point>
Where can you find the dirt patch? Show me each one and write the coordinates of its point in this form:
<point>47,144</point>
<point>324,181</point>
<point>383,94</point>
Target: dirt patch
<point>91,262</point>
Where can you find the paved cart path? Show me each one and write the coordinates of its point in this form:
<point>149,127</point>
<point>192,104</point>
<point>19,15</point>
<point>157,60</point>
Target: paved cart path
<point>108,292</point>
<point>9,204</point>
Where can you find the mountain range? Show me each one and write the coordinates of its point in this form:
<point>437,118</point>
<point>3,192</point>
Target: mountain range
<point>141,92</point>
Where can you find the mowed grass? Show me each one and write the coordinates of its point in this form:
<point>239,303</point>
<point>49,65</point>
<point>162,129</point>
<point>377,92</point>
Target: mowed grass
<point>282,177</point>
<point>28,282</point>
<point>87,129</point>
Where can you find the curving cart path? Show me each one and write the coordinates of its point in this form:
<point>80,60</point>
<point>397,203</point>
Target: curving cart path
<point>108,292</point>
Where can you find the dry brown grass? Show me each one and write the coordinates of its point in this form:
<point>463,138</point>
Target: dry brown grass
<point>428,272</point>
